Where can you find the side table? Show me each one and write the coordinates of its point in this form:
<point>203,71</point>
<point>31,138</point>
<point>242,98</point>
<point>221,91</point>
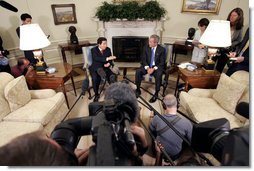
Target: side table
<point>71,47</point>
<point>199,78</point>
<point>52,81</point>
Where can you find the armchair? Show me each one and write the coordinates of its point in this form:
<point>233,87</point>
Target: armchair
<point>23,111</point>
<point>208,104</point>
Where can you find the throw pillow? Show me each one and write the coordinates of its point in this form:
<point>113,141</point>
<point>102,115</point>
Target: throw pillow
<point>228,93</point>
<point>17,94</point>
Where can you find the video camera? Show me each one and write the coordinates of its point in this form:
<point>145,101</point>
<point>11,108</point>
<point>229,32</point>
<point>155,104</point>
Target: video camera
<point>109,124</point>
<point>230,147</point>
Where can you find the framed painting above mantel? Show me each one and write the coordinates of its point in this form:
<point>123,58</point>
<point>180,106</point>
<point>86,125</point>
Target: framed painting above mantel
<point>201,6</point>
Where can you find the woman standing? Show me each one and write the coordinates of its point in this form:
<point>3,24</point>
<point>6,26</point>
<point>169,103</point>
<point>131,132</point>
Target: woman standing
<point>199,51</point>
<point>236,27</point>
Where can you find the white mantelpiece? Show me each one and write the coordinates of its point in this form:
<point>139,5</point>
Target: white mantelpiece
<point>129,28</point>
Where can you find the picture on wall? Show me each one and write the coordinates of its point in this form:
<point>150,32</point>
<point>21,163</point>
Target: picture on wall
<point>64,13</point>
<point>201,6</point>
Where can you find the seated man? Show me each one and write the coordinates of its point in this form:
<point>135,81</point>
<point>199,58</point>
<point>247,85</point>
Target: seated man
<point>153,63</point>
<point>101,63</point>
<point>241,55</point>
<point>23,67</point>
<point>164,134</point>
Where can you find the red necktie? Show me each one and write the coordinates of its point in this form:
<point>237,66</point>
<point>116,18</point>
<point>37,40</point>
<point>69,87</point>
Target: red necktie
<point>102,52</point>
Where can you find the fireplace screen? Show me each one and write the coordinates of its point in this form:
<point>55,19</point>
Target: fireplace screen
<point>128,48</point>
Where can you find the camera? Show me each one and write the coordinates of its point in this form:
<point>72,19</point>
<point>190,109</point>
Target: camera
<point>109,124</point>
<point>228,146</point>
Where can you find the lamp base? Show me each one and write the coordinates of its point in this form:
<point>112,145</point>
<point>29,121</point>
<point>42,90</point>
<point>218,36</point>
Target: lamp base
<point>41,66</point>
<point>209,64</point>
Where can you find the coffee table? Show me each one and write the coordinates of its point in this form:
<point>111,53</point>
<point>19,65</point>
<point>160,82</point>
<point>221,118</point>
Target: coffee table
<point>199,78</point>
<point>52,81</point>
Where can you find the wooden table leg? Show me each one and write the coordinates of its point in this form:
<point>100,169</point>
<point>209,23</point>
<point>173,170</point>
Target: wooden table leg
<point>177,82</point>
<point>64,92</point>
<point>73,85</point>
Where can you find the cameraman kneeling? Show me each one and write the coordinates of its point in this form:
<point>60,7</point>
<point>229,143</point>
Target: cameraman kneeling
<point>119,117</point>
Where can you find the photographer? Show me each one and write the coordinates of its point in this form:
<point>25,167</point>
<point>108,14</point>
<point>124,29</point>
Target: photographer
<point>35,149</point>
<point>166,136</point>
<point>127,148</point>
<point>23,67</point>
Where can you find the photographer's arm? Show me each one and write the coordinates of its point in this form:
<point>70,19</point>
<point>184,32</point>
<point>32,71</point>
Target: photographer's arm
<point>140,133</point>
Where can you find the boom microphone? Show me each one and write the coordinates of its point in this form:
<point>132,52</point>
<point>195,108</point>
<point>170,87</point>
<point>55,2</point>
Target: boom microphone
<point>85,85</point>
<point>243,109</point>
<point>8,6</point>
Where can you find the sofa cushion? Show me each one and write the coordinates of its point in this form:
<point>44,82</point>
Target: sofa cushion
<point>228,93</point>
<point>37,110</point>
<point>17,94</point>
<point>10,130</point>
<point>5,78</point>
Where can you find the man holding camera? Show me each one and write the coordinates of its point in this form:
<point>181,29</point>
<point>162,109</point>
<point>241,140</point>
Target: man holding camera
<point>164,134</point>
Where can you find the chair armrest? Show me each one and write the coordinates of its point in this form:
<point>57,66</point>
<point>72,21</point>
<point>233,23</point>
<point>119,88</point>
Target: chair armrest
<point>199,92</point>
<point>42,94</point>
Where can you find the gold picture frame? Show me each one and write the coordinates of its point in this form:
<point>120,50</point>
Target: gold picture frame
<point>201,6</point>
<point>64,13</point>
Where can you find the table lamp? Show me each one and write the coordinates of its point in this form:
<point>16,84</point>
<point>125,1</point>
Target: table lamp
<point>33,38</point>
<point>216,35</point>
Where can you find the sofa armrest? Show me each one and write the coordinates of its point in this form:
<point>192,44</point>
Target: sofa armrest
<point>199,92</point>
<point>42,94</point>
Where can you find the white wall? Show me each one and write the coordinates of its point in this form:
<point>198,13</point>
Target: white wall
<point>175,27</point>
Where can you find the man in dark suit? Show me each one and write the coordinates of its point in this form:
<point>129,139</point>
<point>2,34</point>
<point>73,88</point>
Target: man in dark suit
<point>241,56</point>
<point>101,63</point>
<point>153,63</point>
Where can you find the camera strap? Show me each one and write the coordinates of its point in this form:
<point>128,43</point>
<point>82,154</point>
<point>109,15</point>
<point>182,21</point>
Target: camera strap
<point>173,122</point>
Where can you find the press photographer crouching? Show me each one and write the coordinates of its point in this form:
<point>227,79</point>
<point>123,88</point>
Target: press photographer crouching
<point>118,140</point>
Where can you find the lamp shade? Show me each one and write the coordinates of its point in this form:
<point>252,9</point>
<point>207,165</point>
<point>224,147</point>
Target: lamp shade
<point>217,34</point>
<point>32,37</point>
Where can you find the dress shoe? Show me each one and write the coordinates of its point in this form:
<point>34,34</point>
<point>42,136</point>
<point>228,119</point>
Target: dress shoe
<point>96,98</point>
<point>153,99</point>
<point>137,92</point>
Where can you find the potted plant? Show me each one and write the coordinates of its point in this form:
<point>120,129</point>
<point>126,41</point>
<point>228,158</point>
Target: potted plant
<point>132,10</point>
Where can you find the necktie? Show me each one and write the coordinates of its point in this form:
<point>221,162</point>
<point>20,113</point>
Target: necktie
<point>152,58</point>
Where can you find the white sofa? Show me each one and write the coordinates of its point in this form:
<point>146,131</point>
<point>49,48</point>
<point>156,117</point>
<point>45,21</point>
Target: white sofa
<point>208,104</point>
<point>23,111</point>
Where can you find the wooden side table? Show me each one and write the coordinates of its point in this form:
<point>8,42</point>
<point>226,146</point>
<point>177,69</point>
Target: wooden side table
<point>179,47</point>
<point>199,78</point>
<point>71,47</point>
<point>52,81</point>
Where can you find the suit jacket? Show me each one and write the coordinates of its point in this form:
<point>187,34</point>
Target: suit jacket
<point>244,64</point>
<point>99,59</point>
<point>160,57</point>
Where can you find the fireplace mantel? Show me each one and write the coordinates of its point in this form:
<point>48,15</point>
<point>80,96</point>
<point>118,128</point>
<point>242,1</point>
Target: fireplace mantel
<point>129,28</point>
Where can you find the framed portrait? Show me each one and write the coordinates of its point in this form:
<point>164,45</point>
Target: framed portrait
<point>201,6</point>
<point>64,13</point>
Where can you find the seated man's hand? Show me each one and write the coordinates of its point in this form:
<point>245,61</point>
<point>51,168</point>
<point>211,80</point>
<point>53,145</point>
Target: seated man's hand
<point>107,65</point>
<point>111,58</point>
<point>150,71</point>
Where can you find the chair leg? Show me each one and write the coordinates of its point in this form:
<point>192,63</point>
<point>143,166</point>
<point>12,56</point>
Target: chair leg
<point>89,92</point>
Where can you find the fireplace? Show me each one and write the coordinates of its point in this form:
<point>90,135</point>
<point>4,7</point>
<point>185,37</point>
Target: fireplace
<point>128,48</point>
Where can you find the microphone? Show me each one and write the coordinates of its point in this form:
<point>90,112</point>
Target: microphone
<point>102,74</point>
<point>8,6</point>
<point>243,109</point>
<point>85,85</point>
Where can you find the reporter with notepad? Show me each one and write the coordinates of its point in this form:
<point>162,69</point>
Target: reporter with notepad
<point>240,57</point>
